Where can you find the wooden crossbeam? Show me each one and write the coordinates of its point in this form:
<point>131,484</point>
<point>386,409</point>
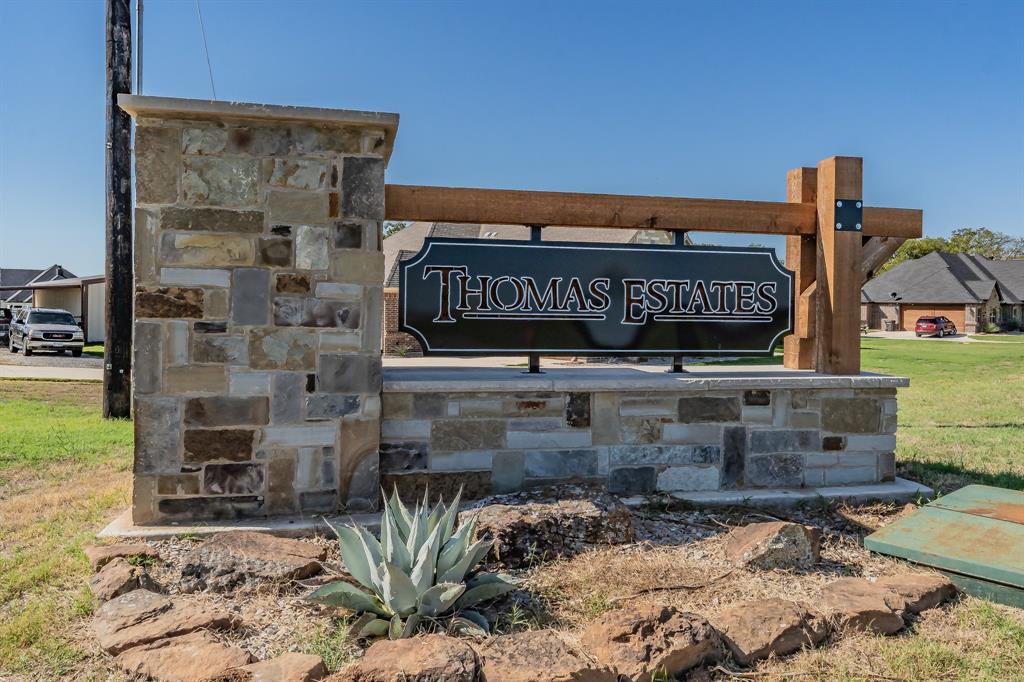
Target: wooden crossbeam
<point>573,209</point>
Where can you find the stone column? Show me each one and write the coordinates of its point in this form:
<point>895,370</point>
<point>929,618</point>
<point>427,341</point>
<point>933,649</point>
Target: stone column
<point>258,308</point>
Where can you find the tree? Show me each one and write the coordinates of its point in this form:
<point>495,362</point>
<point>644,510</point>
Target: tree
<point>393,226</point>
<point>971,241</point>
<point>913,249</point>
<point>984,242</point>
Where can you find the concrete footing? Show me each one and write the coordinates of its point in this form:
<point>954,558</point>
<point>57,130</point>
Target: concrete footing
<point>900,490</point>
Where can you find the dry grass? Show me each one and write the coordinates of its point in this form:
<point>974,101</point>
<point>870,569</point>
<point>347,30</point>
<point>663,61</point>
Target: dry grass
<point>967,640</point>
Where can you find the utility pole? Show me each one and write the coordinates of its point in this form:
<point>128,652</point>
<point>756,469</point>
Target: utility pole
<point>117,382</point>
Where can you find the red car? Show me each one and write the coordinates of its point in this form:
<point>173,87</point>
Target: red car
<point>935,326</point>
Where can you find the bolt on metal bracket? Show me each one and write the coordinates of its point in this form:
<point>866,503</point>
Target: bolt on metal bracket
<point>849,215</point>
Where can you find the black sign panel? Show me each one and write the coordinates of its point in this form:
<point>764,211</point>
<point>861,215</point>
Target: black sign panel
<point>469,296</point>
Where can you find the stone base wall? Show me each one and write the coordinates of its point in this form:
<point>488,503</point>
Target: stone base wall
<point>636,441</point>
<point>258,309</point>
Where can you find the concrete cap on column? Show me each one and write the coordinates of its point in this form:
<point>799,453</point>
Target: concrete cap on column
<point>199,109</point>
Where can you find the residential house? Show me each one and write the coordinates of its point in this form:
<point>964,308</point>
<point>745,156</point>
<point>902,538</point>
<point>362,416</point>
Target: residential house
<point>969,290</point>
<point>16,284</point>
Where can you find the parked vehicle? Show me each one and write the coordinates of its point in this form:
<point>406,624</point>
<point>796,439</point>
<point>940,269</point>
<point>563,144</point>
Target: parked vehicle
<point>935,326</point>
<point>45,329</point>
<point>5,325</point>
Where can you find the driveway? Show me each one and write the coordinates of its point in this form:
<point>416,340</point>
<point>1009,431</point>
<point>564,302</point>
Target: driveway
<point>50,366</point>
<point>874,334</point>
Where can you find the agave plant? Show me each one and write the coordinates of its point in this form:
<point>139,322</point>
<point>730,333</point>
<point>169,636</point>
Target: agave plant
<point>421,569</point>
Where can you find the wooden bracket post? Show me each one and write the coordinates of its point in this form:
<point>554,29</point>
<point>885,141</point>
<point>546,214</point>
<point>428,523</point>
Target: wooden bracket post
<point>801,253</point>
<point>839,280</point>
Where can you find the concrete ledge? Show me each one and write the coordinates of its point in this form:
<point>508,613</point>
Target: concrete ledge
<point>282,526</point>
<point>900,490</point>
<point>503,379</point>
<point>200,109</point>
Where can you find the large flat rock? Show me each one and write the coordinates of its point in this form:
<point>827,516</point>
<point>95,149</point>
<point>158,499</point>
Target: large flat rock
<point>99,555</point>
<point>651,640</point>
<point>229,559</point>
<point>759,629</point>
<point>539,656</point>
<point>291,667</point>
<point>194,657</point>
<point>141,617</point>
<point>858,604</point>
<point>432,658</point>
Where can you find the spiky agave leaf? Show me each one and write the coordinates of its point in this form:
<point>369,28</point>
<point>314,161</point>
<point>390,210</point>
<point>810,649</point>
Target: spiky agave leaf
<point>456,547</point>
<point>403,520</point>
<point>411,623</point>
<point>348,596</point>
<point>483,587</point>
<point>450,515</point>
<point>439,598</point>
<point>356,557</point>
<point>477,619</point>
<point>465,627</point>
<point>466,562</point>
<point>395,628</point>
<point>393,547</point>
<point>367,625</point>
<point>400,594</point>
<point>426,561</point>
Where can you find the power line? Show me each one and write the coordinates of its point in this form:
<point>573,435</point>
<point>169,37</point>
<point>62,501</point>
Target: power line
<point>206,49</point>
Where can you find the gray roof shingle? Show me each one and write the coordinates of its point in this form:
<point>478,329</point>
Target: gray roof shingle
<point>948,278</point>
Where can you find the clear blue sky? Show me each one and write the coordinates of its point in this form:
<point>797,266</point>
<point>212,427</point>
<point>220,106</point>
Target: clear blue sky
<point>700,100</point>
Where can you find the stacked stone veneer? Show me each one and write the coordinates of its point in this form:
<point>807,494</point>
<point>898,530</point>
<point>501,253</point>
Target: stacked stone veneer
<point>636,441</point>
<point>257,310</point>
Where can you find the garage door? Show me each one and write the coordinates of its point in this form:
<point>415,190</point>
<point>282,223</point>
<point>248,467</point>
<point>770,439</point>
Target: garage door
<point>910,313</point>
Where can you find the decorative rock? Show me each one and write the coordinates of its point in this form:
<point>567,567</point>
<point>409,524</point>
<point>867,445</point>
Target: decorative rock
<point>858,604</point>
<point>227,559</point>
<point>177,302</point>
<point>776,544</point>
<point>289,667</point>
<point>193,657</point>
<point>100,554</point>
<point>119,577</point>
<point>233,479</point>
<point>550,523</point>
<point>291,283</point>
<point>922,591</point>
<point>141,617</point>
<point>539,656</point>
<point>205,445</point>
<point>433,658</point>
<point>642,642</point>
<point>211,220</point>
<point>759,629</point>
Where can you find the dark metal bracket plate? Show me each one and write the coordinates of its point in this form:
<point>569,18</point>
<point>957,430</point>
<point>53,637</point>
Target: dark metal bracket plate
<point>849,215</point>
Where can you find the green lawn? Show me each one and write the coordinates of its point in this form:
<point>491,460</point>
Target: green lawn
<point>999,338</point>
<point>63,474</point>
<point>962,418</point>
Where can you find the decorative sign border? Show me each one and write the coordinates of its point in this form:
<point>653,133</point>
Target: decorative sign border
<point>431,242</point>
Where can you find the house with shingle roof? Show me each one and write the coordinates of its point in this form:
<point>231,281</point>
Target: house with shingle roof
<point>407,242</point>
<point>13,297</point>
<point>970,290</point>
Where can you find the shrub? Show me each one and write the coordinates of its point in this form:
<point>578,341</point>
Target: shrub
<point>421,569</point>
<point>1011,325</point>
<point>990,328</point>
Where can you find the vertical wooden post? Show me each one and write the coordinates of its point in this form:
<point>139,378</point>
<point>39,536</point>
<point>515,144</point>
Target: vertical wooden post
<point>801,254</point>
<point>117,384</point>
<point>839,280</point>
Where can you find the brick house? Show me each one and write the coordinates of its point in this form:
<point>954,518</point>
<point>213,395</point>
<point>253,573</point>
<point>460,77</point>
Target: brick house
<point>406,243</point>
<point>969,290</point>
